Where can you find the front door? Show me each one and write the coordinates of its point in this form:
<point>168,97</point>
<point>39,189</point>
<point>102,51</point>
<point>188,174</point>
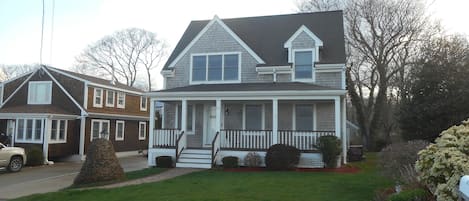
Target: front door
<point>210,131</point>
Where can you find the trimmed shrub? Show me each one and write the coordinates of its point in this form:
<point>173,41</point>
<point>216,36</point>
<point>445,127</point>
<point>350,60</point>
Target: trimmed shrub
<point>282,157</point>
<point>329,146</point>
<point>164,161</point>
<point>252,159</point>
<point>397,160</point>
<point>35,157</point>
<point>441,165</point>
<point>230,162</point>
<point>417,194</point>
<point>101,164</point>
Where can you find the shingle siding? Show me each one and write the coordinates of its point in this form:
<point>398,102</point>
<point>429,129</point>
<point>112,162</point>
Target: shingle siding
<point>303,41</point>
<point>325,116</point>
<point>329,79</point>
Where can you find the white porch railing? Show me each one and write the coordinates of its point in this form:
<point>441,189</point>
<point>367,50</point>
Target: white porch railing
<point>303,140</point>
<point>165,138</point>
<point>246,139</point>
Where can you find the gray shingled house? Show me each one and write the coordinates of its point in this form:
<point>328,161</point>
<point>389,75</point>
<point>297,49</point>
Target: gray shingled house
<point>233,86</point>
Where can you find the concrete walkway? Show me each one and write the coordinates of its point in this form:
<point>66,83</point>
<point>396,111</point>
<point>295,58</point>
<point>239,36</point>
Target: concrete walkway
<point>169,174</point>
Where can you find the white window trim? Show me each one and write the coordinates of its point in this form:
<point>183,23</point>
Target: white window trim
<point>139,130</point>
<point>263,115</point>
<point>123,102</point>
<point>57,140</point>
<point>223,68</point>
<point>113,98</point>
<point>101,97</point>
<point>146,103</point>
<point>30,102</point>
<point>176,122</point>
<point>100,125</point>
<point>294,115</point>
<point>24,140</point>
<point>123,130</point>
<point>313,70</point>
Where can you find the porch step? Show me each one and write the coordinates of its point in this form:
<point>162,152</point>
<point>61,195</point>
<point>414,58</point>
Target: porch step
<point>195,158</point>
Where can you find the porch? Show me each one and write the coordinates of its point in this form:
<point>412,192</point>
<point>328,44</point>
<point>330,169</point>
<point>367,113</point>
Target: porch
<point>212,121</point>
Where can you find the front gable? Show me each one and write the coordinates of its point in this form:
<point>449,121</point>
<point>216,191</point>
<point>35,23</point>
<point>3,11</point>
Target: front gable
<point>229,35</point>
<point>17,102</point>
<point>303,38</point>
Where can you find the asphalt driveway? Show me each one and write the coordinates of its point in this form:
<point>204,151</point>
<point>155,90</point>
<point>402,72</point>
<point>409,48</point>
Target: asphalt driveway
<point>51,178</point>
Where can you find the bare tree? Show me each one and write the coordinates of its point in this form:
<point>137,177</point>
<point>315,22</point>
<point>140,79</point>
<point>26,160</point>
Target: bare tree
<point>10,71</point>
<point>122,56</point>
<point>380,35</point>
<point>319,5</point>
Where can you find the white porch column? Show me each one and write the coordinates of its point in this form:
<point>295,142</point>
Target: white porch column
<point>218,115</point>
<point>184,115</point>
<point>45,135</point>
<point>81,149</point>
<point>274,121</point>
<point>345,140</point>
<point>151,128</point>
<point>337,117</point>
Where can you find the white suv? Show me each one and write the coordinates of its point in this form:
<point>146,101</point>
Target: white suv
<point>13,158</point>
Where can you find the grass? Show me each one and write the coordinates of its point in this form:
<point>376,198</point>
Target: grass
<point>137,174</point>
<point>234,186</point>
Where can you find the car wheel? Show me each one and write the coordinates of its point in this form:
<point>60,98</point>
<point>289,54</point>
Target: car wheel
<point>16,163</point>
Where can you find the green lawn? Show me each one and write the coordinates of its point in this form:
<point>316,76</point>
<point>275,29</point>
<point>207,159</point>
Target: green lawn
<point>238,186</point>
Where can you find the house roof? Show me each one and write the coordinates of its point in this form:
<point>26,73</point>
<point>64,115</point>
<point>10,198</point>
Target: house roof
<point>96,80</point>
<point>266,35</point>
<point>271,86</point>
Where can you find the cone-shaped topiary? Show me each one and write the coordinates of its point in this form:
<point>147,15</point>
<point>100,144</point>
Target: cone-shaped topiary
<point>101,164</point>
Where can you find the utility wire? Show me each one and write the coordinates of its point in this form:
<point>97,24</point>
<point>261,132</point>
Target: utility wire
<point>52,32</point>
<point>42,32</point>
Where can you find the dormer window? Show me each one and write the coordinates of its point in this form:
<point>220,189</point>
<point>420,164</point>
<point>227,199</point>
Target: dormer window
<point>40,92</point>
<point>303,64</point>
<point>223,67</point>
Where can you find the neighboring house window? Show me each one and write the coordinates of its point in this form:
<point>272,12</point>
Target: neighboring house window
<point>58,132</point>
<point>253,117</point>
<point>120,127</point>
<point>215,67</point>
<point>98,97</point>
<point>29,130</point>
<point>304,64</point>
<point>190,122</point>
<point>40,92</point>
<point>110,98</point>
<point>304,119</point>
<point>120,99</point>
<point>142,130</point>
<point>99,129</point>
<point>143,103</point>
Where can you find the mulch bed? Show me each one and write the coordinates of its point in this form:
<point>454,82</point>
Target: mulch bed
<point>260,169</point>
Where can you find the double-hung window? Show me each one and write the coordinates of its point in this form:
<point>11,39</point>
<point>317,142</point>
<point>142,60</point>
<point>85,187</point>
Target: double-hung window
<point>99,129</point>
<point>110,97</point>
<point>190,118</point>
<point>29,130</point>
<point>58,132</point>
<point>304,118</point>
<point>215,67</point>
<point>120,126</point>
<point>98,97</point>
<point>142,130</point>
<point>120,100</point>
<point>304,64</point>
<point>253,119</point>
<point>40,92</point>
<point>143,103</point>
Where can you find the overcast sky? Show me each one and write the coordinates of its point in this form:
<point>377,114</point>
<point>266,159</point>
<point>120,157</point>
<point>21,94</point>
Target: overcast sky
<point>78,23</point>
